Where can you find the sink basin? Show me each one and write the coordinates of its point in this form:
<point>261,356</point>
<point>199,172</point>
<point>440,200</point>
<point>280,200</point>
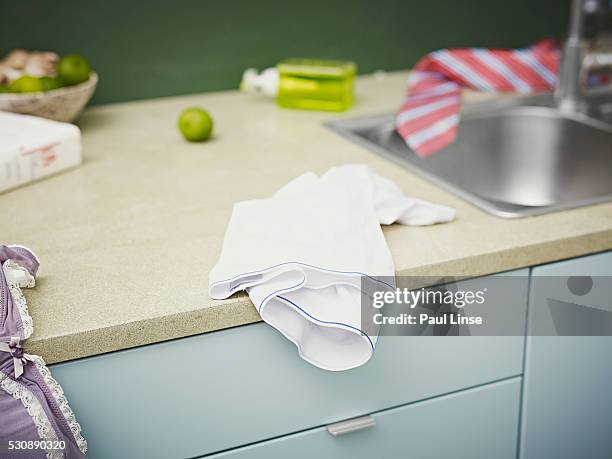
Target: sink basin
<point>512,157</point>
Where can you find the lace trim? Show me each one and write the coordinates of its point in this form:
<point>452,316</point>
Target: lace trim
<point>52,384</point>
<point>34,410</point>
<point>60,398</point>
<point>17,294</point>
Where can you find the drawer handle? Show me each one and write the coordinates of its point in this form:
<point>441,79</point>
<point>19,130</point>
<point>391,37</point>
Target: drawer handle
<point>351,425</point>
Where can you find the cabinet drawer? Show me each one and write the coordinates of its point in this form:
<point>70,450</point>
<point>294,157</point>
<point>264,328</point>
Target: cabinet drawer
<point>221,390</point>
<point>477,423</point>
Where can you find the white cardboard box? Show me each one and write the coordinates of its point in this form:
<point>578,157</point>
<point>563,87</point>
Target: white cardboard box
<point>32,148</point>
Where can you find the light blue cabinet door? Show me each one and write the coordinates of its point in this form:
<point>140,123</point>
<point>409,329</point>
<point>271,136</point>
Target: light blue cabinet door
<point>472,424</point>
<point>567,402</point>
<point>221,390</point>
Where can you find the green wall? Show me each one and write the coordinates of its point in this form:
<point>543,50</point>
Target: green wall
<point>144,49</point>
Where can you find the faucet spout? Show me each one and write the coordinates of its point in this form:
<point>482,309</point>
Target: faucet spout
<point>568,92</point>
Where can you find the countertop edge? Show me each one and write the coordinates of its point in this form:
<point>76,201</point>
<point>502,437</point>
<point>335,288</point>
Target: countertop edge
<point>153,330</point>
<point>240,311</point>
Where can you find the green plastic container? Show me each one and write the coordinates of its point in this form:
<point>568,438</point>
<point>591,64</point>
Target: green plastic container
<point>315,84</point>
<point>305,84</point>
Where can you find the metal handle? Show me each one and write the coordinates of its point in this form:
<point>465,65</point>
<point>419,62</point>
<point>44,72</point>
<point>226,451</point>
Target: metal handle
<point>351,425</point>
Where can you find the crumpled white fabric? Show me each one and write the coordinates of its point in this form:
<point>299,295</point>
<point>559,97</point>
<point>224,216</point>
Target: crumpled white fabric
<point>301,254</point>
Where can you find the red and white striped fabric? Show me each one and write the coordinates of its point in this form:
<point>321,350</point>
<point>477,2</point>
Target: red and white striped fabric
<point>428,119</point>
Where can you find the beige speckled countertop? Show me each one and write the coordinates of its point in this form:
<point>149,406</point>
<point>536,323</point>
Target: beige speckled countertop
<point>127,240</point>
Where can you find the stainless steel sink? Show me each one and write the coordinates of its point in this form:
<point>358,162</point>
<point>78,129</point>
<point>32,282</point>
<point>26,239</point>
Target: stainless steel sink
<point>515,157</point>
<point>512,157</point>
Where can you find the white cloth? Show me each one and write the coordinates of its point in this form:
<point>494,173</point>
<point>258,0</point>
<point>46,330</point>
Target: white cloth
<point>301,256</point>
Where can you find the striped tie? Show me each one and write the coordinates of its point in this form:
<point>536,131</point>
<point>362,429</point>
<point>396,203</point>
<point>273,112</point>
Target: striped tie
<point>428,119</point>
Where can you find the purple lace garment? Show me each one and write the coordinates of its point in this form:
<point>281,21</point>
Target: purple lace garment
<point>32,403</point>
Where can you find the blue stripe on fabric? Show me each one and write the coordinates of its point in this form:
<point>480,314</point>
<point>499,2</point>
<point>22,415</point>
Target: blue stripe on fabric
<point>530,60</point>
<point>261,271</point>
<point>326,322</point>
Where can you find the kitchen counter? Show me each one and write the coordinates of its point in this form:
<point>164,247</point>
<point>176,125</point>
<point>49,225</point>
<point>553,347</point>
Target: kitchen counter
<point>126,241</point>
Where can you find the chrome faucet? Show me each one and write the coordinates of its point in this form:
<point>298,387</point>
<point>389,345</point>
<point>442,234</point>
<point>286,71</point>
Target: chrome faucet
<point>576,63</point>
